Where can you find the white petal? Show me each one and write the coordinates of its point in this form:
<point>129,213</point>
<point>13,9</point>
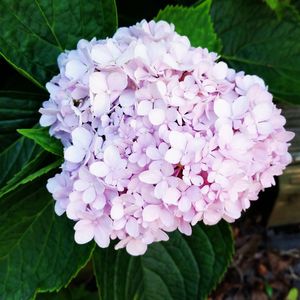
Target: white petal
<point>173,156</point>
<point>150,176</point>
<point>157,116</point>
<point>74,154</point>
<point>222,108</point>
<point>151,213</point>
<point>136,247</point>
<point>99,169</point>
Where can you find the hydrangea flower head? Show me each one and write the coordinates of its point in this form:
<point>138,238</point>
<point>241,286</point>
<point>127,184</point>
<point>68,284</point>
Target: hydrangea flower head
<point>158,136</point>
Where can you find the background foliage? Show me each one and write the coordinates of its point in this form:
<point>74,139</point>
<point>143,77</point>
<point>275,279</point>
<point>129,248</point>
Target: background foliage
<point>37,251</point>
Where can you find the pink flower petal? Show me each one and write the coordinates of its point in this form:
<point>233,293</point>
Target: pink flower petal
<point>151,213</point>
<point>136,247</point>
<point>99,169</point>
<point>173,156</point>
<point>117,211</point>
<point>171,196</point>
<point>89,195</point>
<point>150,176</point>
<point>157,116</point>
<point>127,98</point>
<point>222,108</point>
<point>117,81</point>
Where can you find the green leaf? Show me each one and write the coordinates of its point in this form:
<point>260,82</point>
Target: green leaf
<point>13,158</point>
<point>293,294</point>
<point>261,45</point>
<point>70,293</point>
<point>194,22</point>
<point>37,248</point>
<point>17,110</point>
<point>25,175</point>
<point>31,41</point>
<point>42,137</point>
<point>184,268</point>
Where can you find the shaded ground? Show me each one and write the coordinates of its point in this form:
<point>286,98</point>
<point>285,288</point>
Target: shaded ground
<point>266,264</point>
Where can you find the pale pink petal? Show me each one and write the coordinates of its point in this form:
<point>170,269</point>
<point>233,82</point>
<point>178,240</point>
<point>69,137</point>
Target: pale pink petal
<point>97,82</point>
<point>157,116</point>
<point>117,81</point>
<point>150,176</point>
<point>89,195</point>
<point>171,196</point>
<point>83,233</point>
<point>101,237</point>
<point>75,69</point>
<point>222,108</point>
<point>112,156</point>
<point>136,247</point>
<point>117,211</point>
<point>80,185</point>
<point>101,54</point>
<point>101,104</point>
<point>127,98</point>
<point>177,140</point>
<point>151,213</point>
<point>184,204</point>
<point>262,112</point>
<point>173,156</point>
<point>240,106</point>
<point>144,107</point>
<point>219,70</point>
<point>99,169</point>
<point>132,227</point>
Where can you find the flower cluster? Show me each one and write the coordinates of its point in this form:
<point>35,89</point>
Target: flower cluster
<point>158,135</point>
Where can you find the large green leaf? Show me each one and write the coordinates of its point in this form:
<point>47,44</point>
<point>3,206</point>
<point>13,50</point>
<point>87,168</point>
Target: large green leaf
<point>28,173</point>
<point>256,41</point>
<point>33,33</point>
<point>184,268</point>
<point>15,157</point>
<point>194,22</point>
<point>42,137</point>
<point>37,250</point>
<point>17,110</point>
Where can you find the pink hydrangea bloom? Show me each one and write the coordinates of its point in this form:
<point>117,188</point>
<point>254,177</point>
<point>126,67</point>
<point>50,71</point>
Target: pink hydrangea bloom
<point>158,136</point>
